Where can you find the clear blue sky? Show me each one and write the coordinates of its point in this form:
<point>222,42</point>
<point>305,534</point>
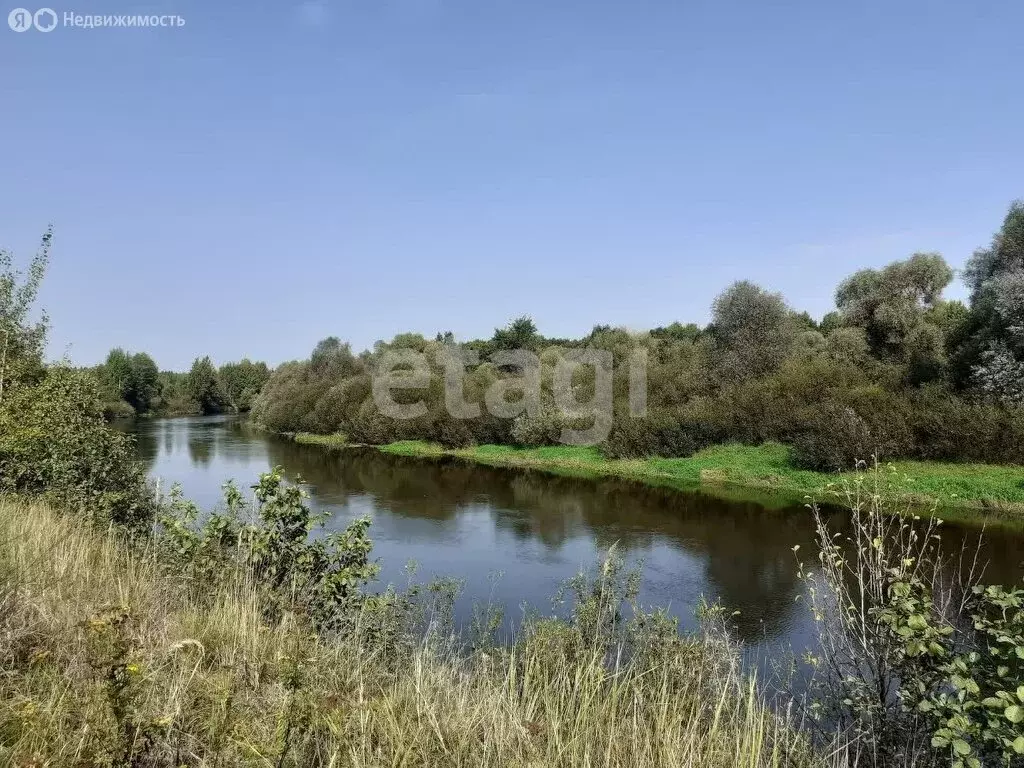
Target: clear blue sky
<point>272,173</point>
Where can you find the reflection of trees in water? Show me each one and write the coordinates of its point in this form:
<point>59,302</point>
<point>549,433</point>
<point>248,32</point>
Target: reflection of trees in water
<point>747,551</point>
<point>147,444</point>
<point>209,439</point>
<point>201,450</point>
<point>168,437</point>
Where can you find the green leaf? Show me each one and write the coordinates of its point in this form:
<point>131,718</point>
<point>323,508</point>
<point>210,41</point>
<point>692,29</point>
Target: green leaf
<point>1018,745</point>
<point>961,747</point>
<point>1014,714</point>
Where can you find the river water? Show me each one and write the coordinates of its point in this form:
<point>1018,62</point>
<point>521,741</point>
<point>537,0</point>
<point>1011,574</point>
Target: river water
<point>513,537</point>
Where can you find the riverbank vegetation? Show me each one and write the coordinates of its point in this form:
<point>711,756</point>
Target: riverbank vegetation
<point>895,371</point>
<point>131,385</point>
<point>769,467</point>
<point>112,658</point>
<point>138,630</point>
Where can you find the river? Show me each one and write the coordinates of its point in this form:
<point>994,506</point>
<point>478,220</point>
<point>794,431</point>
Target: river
<point>515,536</point>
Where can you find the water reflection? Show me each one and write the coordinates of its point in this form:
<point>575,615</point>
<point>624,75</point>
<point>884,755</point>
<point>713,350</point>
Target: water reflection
<point>467,521</point>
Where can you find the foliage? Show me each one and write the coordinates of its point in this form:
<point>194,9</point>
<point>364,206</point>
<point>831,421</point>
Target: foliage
<point>521,333</point>
<point>975,698</point>
<point>657,434</point>
<point>318,576</point>
<point>203,387</point>
<point>995,276</point>
<point>21,340</point>
<point>754,330</point>
<point>241,382</point>
<point>831,439</point>
<point>918,664</point>
<point>109,661</point>
<point>1000,375</point>
<point>130,378</point>
<point>53,437</point>
<point>54,441</point>
<point>896,370</point>
<point>892,303</point>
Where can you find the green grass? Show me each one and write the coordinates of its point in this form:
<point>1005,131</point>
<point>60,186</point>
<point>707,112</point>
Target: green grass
<point>328,441</point>
<point>763,473</point>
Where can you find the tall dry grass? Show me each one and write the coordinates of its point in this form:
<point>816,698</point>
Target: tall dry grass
<point>108,659</point>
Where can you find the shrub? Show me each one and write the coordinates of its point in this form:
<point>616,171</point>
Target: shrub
<point>951,428</point>
<point>318,576</point>
<point>449,431</point>
<point>917,664</point>
<point>657,434</point>
<point>545,429</point>
<point>54,441</point>
<point>117,409</point>
<point>831,438</point>
<point>888,416</point>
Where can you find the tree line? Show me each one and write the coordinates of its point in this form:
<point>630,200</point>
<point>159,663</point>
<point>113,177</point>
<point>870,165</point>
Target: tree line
<point>131,384</point>
<point>895,370</point>
<point>915,665</point>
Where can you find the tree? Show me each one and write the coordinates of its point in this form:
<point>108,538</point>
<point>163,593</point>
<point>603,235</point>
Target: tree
<point>53,438</point>
<point>203,387</point>
<point>333,359</point>
<point>143,382</point>
<point>675,331</point>
<point>521,333</point>
<point>241,382</point>
<point>995,276</point>
<point>890,303</point>
<point>21,341</point>
<point>133,378</point>
<point>753,329</point>
<point>113,374</point>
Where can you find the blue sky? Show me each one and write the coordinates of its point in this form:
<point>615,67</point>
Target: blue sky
<point>272,173</point>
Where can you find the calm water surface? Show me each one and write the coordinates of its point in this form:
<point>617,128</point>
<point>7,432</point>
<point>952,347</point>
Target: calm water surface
<point>515,536</point>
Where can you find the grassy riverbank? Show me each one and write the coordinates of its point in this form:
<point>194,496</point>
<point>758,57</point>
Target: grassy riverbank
<point>763,473</point>
<point>111,659</point>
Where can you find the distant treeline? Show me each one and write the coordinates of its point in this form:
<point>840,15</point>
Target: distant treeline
<point>131,384</point>
<point>896,371</point>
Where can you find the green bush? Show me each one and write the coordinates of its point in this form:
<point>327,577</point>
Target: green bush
<point>951,428</point>
<point>657,434</point>
<point>888,417</point>
<point>532,431</point>
<point>117,409</point>
<point>321,577</point>
<point>917,663</point>
<point>54,441</point>
<point>831,438</point>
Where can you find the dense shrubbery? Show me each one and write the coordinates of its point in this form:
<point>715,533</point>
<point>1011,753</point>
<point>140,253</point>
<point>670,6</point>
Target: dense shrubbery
<point>659,434</point>
<point>895,371</point>
<point>54,441</point>
<point>918,663</point>
<point>131,385</point>
<point>53,437</point>
<point>273,541</point>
